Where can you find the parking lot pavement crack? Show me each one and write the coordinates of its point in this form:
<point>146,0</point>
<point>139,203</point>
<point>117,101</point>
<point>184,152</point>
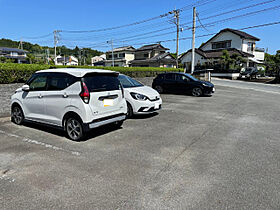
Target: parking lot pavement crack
<point>43,144</point>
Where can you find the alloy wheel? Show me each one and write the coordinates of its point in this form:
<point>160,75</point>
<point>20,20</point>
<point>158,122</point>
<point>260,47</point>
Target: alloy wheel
<point>197,92</point>
<point>17,115</point>
<point>74,129</point>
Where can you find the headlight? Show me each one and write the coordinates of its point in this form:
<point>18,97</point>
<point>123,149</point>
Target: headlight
<point>138,96</point>
<point>205,85</point>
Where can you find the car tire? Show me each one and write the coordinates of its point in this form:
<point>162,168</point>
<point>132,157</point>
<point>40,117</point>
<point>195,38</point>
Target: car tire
<point>197,91</point>
<point>74,129</point>
<point>129,111</point>
<point>17,115</point>
<point>159,89</point>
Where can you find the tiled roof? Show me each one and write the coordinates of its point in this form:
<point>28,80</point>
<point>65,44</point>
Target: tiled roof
<point>218,53</point>
<point>241,34</point>
<point>152,47</point>
<point>9,49</point>
<point>125,48</point>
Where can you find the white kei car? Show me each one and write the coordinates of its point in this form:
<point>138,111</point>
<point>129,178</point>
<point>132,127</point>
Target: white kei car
<point>140,99</point>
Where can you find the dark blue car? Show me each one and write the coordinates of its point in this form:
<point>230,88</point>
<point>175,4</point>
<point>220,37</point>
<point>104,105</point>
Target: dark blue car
<point>182,83</point>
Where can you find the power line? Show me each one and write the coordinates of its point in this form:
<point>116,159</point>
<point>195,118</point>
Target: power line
<point>202,2</point>
<point>131,38</point>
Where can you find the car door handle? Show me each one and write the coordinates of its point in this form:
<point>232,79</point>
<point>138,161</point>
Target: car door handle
<point>65,95</point>
<point>40,96</point>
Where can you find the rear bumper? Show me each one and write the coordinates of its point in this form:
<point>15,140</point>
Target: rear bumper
<point>104,121</point>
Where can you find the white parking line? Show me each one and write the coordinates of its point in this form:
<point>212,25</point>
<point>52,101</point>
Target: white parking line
<point>49,146</point>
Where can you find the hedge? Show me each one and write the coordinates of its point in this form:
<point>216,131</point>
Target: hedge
<point>13,73</point>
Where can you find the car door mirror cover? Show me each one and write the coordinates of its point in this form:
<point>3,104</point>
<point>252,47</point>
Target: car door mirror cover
<point>25,88</point>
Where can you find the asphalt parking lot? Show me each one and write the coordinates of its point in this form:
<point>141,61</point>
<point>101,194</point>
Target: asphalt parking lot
<point>219,152</point>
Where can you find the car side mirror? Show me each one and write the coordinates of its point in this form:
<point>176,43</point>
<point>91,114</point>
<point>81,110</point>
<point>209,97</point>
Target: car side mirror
<point>25,88</point>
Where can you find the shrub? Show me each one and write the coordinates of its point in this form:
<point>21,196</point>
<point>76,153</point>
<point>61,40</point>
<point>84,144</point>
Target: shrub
<point>13,72</point>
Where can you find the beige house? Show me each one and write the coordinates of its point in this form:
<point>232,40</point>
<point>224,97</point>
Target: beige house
<point>122,56</point>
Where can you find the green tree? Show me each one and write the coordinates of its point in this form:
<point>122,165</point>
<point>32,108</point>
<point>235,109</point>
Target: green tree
<point>226,60</point>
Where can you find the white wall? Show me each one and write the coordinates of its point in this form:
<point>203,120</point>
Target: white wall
<point>188,58</point>
<point>259,55</point>
<point>236,41</point>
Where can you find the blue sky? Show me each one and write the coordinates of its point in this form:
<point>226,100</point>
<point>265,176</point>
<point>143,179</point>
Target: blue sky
<point>32,18</point>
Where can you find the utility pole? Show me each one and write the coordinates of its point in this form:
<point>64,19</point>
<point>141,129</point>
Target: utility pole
<point>48,56</point>
<point>56,38</point>
<point>193,39</point>
<point>113,61</point>
<point>176,13</point>
<point>20,46</point>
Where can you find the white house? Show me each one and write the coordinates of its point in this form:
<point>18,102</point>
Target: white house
<point>67,61</point>
<point>98,60</point>
<point>122,56</point>
<point>234,41</point>
<point>153,55</point>
<point>13,53</point>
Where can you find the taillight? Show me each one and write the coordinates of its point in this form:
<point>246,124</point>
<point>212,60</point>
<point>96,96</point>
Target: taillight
<point>85,96</point>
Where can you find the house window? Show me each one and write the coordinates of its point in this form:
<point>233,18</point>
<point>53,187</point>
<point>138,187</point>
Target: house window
<point>146,55</point>
<point>250,46</point>
<point>121,55</point>
<point>110,56</point>
<point>221,45</point>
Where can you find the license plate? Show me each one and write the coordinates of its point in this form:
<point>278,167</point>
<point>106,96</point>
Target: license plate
<point>243,76</point>
<point>214,89</point>
<point>108,102</point>
<point>156,105</point>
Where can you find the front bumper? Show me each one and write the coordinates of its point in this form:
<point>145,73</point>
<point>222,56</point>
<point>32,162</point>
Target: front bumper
<point>145,107</point>
<point>209,91</point>
<point>104,121</point>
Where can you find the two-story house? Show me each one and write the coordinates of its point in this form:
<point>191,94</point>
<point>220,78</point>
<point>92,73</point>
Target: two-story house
<point>122,56</point>
<point>234,41</point>
<point>153,55</point>
<point>67,61</point>
<point>13,53</point>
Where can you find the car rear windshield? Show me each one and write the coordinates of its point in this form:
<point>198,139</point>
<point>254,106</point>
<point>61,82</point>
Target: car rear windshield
<point>128,82</point>
<point>102,82</point>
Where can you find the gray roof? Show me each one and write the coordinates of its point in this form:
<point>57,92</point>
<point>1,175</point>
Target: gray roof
<point>125,48</point>
<point>217,53</point>
<point>152,47</point>
<point>241,34</point>
<point>160,57</point>
<point>8,49</point>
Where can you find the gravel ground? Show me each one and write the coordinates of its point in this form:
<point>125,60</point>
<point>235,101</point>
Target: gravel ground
<point>6,91</point>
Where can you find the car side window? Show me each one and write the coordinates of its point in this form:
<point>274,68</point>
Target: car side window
<point>160,77</point>
<point>181,78</point>
<point>60,81</point>
<point>169,77</point>
<point>38,83</point>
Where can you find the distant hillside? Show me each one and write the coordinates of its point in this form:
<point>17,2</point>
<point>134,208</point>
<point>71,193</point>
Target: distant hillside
<point>38,50</point>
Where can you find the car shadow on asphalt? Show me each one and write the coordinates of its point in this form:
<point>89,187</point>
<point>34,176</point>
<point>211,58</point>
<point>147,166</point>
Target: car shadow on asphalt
<point>90,134</point>
<point>144,116</point>
<point>60,132</point>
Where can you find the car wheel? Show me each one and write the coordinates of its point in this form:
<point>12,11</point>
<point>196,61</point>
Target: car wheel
<point>197,91</point>
<point>159,89</point>
<point>74,129</point>
<point>129,111</point>
<point>17,115</point>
